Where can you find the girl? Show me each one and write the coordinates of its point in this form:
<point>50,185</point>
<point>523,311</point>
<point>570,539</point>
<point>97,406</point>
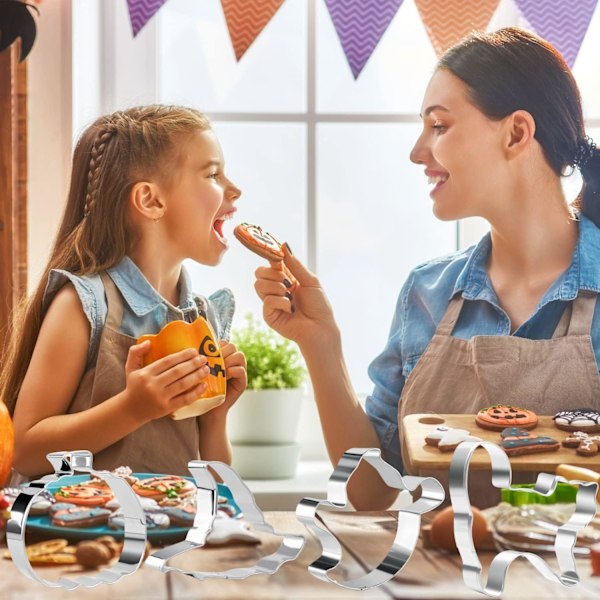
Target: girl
<point>148,190</point>
<point>511,320</point>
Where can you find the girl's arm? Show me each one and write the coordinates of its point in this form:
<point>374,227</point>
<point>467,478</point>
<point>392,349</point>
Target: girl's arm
<point>55,372</point>
<point>312,325</point>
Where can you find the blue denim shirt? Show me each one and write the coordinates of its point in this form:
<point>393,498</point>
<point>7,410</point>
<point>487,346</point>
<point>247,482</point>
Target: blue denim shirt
<point>145,311</point>
<point>424,300</point>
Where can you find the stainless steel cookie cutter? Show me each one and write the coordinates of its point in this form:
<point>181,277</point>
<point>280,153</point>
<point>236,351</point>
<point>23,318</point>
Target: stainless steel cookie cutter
<point>566,535</point>
<point>409,517</point>
<point>66,464</point>
<point>206,511</point>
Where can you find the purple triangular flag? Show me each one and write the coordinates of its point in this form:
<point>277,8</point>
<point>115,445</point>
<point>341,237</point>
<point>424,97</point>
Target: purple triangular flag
<point>563,23</point>
<point>360,25</point>
<point>141,11</point>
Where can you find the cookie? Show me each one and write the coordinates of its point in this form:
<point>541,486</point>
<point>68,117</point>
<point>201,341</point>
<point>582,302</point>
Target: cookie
<point>80,517</point>
<point>584,444</point>
<point>85,494</point>
<point>447,439</point>
<point>500,416</point>
<point>259,241</point>
<point>154,520</point>
<point>529,445</point>
<point>514,433</point>
<point>579,419</point>
<point>180,517</point>
<point>164,486</point>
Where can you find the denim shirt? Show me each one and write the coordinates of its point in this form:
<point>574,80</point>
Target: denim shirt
<point>145,311</point>
<point>424,300</point>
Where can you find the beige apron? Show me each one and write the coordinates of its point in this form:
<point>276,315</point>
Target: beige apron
<point>464,376</point>
<point>160,446</point>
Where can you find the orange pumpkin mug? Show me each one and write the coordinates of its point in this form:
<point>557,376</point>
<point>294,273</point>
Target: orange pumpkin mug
<point>179,335</point>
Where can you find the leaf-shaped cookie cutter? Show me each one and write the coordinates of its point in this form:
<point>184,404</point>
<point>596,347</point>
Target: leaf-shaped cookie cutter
<point>566,535</point>
<point>206,511</point>
<point>66,464</point>
<point>409,517</point>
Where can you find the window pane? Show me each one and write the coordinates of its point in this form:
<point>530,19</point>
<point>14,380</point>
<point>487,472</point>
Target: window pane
<point>375,223</point>
<point>268,163</point>
<point>197,63</point>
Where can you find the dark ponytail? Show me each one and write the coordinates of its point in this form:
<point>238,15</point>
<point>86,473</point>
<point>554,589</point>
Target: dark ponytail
<point>512,69</point>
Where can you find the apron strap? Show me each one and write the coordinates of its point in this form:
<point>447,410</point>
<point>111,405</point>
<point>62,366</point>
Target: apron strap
<point>446,325</point>
<point>113,299</point>
<point>582,314</point>
<point>565,320</point>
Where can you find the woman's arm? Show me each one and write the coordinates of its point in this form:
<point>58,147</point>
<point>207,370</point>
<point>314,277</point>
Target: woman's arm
<point>55,372</point>
<point>312,325</point>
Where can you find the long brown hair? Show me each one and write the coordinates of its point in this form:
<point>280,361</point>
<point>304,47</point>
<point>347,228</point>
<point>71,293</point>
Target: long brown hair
<point>112,154</point>
<point>512,69</point>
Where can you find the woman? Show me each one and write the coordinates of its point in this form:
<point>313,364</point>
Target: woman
<point>505,321</point>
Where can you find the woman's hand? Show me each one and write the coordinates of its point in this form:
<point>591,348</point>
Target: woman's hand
<point>303,316</point>
<point>164,386</point>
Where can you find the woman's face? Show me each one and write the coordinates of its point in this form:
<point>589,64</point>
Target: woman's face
<point>461,150</point>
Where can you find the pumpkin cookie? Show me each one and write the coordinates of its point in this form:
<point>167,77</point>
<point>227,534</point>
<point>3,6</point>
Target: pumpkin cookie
<point>501,416</point>
<point>164,486</point>
<point>579,419</point>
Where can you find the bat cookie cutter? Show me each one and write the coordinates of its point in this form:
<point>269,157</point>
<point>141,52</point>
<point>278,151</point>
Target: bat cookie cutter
<point>65,464</point>
<point>409,518</point>
<point>206,512</point>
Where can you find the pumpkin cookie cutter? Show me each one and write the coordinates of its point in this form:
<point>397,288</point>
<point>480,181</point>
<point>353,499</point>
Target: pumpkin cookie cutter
<point>566,535</point>
<point>408,526</point>
<point>66,464</point>
<point>206,512</point>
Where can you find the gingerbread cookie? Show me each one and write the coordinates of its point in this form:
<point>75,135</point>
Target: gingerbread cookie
<point>447,439</point>
<point>529,445</point>
<point>80,517</point>
<point>579,419</point>
<point>584,444</point>
<point>501,416</point>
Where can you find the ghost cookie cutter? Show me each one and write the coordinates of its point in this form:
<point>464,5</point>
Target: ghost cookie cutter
<point>409,517</point>
<point>566,535</point>
<point>65,464</point>
<point>206,511</point>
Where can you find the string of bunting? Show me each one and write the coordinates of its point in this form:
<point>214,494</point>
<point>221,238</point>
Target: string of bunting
<point>361,24</point>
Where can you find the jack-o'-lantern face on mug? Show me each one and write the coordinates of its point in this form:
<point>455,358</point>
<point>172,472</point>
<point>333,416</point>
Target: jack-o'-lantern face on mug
<point>179,335</point>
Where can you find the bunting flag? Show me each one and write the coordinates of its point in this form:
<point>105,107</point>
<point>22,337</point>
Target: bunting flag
<point>448,22</point>
<point>141,11</point>
<point>563,23</point>
<point>360,25</point>
<point>246,19</point>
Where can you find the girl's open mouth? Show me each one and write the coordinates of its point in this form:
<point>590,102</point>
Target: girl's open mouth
<point>220,222</point>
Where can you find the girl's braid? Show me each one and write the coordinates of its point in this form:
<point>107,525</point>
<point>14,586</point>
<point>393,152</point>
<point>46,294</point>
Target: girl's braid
<point>96,154</point>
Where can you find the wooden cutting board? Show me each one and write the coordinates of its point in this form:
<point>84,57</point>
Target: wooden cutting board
<point>422,456</point>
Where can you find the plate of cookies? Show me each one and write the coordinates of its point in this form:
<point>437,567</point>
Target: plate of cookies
<point>80,507</point>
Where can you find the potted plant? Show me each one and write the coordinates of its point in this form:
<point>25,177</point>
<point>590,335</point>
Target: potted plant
<point>263,423</point>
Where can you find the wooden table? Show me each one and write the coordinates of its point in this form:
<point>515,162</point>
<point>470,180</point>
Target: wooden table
<point>366,538</point>
<point>421,456</point>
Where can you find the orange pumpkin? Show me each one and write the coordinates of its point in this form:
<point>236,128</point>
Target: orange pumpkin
<point>179,335</point>
<point>7,443</point>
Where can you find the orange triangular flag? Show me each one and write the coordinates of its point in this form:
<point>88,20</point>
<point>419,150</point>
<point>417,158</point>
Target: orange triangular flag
<point>246,19</point>
<point>448,22</point>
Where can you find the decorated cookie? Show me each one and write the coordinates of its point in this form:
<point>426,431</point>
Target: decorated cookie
<point>584,444</point>
<point>164,486</point>
<point>501,416</point>
<point>180,517</point>
<point>85,495</point>
<point>264,244</point>
<point>511,433</point>
<point>579,419</point>
<point>154,520</point>
<point>225,530</point>
<point>447,439</point>
<point>529,445</point>
<point>80,517</point>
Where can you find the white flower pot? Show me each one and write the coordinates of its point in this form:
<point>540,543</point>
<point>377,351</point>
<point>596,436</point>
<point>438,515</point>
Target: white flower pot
<point>265,417</point>
<point>275,461</point>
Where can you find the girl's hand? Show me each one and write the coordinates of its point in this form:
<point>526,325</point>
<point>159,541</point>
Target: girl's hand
<point>167,384</point>
<point>303,317</point>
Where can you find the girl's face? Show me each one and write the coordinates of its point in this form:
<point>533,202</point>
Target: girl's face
<point>461,149</point>
<point>200,200</point>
